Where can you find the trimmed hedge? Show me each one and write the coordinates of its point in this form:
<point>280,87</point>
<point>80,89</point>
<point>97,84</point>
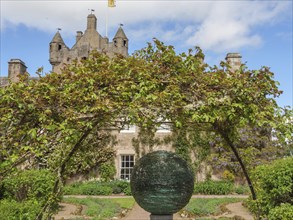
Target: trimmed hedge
<point>213,187</point>
<point>98,188</point>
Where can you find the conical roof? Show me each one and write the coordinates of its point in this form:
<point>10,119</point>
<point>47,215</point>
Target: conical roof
<point>120,34</point>
<point>57,38</point>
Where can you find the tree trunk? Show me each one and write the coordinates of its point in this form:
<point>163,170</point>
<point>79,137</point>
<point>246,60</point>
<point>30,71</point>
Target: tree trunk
<point>234,149</point>
<point>60,180</point>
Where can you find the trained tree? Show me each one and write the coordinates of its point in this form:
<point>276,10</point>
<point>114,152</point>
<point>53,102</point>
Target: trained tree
<point>63,122</point>
<point>218,101</point>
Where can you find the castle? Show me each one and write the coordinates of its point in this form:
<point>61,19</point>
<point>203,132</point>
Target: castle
<point>90,40</point>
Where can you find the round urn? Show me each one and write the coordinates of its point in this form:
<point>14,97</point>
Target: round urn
<point>162,183</point>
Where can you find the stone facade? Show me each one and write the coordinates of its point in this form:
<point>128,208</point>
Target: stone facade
<point>90,40</point>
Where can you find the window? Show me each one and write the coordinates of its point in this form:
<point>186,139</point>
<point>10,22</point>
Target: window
<point>128,129</point>
<point>126,166</point>
<point>164,127</point>
<point>124,43</point>
<point>59,46</point>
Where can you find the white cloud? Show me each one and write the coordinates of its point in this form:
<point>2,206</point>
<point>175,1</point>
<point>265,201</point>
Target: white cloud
<point>214,25</point>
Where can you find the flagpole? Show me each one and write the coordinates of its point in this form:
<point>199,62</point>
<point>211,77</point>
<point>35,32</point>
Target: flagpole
<point>111,4</point>
<point>107,17</point>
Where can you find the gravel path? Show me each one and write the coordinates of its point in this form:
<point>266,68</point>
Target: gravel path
<point>236,209</point>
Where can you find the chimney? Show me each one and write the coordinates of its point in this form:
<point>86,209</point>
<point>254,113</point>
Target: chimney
<point>78,35</point>
<point>234,60</point>
<point>16,67</point>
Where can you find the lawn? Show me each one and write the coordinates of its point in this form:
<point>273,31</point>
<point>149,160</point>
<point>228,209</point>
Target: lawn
<point>102,208</point>
<point>108,208</point>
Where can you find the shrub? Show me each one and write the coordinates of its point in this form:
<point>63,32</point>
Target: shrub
<point>241,189</point>
<point>29,185</point>
<point>107,171</point>
<point>228,176</point>
<point>119,186</point>
<point>274,186</point>
<point>127,191</point>
<point>95,189</point>
<point>13,210</point>
<point>282,212</point>
<point>211,187</point>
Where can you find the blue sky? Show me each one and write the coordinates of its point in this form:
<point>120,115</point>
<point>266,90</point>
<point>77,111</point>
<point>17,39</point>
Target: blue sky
<point>260,30</point>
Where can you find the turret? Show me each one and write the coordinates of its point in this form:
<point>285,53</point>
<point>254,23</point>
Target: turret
<point>78,35</point>
<point>16,67</point>
<point>91,22</point>
<point>57,50</point>
<point>234,60</point>
<point>120,42</point>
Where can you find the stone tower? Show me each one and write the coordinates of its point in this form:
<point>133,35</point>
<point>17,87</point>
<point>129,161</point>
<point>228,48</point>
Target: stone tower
<point>121,42</point>
<point>90,40</point>
<point>57,50</point>
<point>234,60</point>
<point>16,67</point>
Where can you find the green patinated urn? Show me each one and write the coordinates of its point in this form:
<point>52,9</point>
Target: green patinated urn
<point>162,183</point>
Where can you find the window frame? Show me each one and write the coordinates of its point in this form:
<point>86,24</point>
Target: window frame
<point>126,165</point>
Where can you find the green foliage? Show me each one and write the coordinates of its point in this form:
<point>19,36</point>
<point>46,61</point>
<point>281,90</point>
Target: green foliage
<point>274,185</point>
<point>241,189</point>
<point>127,191</point>
<point>181,146</point>
<point>107,171</point>
<point>33,185</point>
<point>27,191</point>
<point>120,186</point>
<point>98,188</point>
<point>281,212</point>
<point>98,208</point>
<point>103,208</point>
<point>211,187</point>
<point>203,207</point>
<point>13,210</point>
<point>59,121</point>
<point>228,176</point>
<point>90,189</point>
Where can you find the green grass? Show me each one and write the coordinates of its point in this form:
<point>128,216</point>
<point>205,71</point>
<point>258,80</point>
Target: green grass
<point>210,206</point>
<point>102,208</point>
